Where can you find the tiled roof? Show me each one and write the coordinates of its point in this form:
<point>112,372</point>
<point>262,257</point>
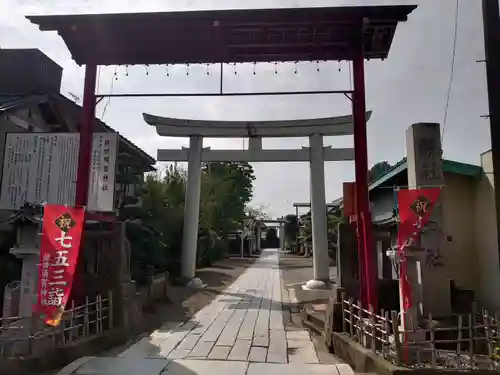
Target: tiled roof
<point>10,102</point>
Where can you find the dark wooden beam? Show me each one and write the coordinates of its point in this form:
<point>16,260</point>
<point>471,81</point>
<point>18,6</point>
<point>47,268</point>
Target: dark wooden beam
<point>491,24</point>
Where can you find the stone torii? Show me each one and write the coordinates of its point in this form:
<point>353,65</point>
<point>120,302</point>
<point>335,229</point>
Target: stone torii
<point>316,154</point>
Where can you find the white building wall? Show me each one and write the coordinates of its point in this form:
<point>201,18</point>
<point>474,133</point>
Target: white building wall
<point>486,237</point>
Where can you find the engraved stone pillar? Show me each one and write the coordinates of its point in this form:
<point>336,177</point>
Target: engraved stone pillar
<point>430,281</point>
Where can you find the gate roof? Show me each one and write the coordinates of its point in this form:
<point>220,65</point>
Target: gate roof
<point>250,35</point>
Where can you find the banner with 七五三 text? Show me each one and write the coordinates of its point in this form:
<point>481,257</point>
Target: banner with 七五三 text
<point>59,247</point>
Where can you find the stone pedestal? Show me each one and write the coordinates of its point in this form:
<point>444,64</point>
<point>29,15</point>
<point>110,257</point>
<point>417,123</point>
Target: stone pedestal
<point>28,250</point>
<point>347,260</point>
<point>126,302</point>
<point>281,234</point>
<point>242,245</point>
<point>259,238</point>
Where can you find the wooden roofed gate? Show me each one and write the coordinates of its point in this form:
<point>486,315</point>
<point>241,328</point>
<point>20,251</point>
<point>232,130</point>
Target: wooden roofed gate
<point>238,36</point>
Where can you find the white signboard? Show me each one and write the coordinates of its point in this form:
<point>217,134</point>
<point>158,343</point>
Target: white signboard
<point>42,167</point>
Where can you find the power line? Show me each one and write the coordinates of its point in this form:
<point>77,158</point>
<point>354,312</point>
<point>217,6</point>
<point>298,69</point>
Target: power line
<point>452,71</point>
<point>113,78</point>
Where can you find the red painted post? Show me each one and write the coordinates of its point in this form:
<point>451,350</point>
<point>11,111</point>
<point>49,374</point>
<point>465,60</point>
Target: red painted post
<point>364,222</point>
<point>86,131</point>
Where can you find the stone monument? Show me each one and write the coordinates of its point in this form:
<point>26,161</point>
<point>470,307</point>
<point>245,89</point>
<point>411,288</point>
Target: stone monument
<point>429,279</point>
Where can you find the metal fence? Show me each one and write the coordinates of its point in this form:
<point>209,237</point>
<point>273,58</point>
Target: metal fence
<point>29,336</point>
<point>470,341</point>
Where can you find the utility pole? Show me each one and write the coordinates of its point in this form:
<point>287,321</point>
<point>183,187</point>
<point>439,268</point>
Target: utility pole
<point>491,25</point>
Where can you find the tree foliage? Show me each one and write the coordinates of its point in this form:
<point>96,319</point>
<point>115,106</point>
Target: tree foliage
<point>291,229</point>
<point>155,226</point>
<point>333,219</point>
<point>257,212</point>
<point>378,170</point>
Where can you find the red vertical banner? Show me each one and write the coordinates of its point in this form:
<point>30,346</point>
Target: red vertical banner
<point>59,248</point>
<point>349,195</point>
<point>414,208</point>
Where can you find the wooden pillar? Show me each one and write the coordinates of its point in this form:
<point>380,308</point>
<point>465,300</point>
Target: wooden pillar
<point>491,24</point>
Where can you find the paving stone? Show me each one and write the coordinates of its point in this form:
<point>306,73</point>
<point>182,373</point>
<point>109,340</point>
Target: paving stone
<point>304,354</point>
<point>192,367</point>
<point>277,351</point>
<point>274,357</point>
<point>257,354</point>
<point>230,331</point>
<point>189,342</point>
<point>247,318</point>
<point>122,366</point>
<point>240,350</point>
<point>297,344</point>
<point>296,369</point>
<point>202,349</point>
<point>276,319</point>
<point>219,352</point>
<point>247,328</point>
<point>214,331</point>
<point>179,353</point>
<point>261,339</point>
<point>298,335</point>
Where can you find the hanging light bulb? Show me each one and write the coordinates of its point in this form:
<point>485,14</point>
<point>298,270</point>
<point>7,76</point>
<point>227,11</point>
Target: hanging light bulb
<point>126,70</point>
<point>167,73</point>
<point>276,68</point>
<point>187,69</point>
<point>317,65</point>
<point>208,70</point>
<point>147,69</point>
<point>296,67</point>
<point>339,66</point>
<point>234,69</point>
<point>254,67</point>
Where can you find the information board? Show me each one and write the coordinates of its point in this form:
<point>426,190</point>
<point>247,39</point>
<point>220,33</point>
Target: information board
<point>42,168</point>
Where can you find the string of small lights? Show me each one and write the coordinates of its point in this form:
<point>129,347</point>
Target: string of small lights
<point>189,68</point>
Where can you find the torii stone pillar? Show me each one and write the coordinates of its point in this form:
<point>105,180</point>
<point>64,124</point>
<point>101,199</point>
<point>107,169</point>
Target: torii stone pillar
<point>321,262</point>
<point>192,209</point>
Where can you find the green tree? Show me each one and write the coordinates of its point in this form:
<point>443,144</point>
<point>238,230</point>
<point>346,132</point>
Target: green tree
<point>291,230</point>
<point>378,170</point>
<point>155,226</point>
<point>227,188</point>
<point>333,219</point>
<point>257,212</point>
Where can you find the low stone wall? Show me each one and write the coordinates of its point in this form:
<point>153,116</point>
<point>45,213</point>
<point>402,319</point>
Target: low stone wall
<point>61,356</point>
<point>363,360</point>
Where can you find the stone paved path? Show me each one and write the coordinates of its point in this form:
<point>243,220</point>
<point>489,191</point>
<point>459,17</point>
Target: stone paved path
<point>240,330</point>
